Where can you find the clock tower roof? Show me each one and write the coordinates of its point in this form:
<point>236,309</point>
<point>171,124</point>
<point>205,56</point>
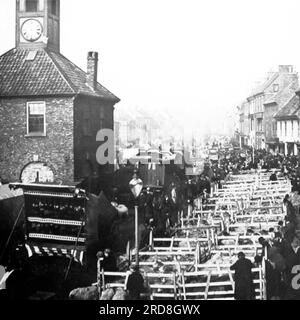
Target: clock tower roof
<point>36,67</point>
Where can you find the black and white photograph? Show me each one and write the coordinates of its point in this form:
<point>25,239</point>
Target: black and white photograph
<point>149,151</point>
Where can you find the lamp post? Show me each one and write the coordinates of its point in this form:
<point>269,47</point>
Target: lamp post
<point>136,186</point>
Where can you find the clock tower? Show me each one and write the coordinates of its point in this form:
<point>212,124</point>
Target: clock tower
<point>48,106</point>
<point>38,24</point>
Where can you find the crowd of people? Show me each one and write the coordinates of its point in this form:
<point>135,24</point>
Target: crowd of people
<point>159,208</point>
<point>281,251</point>
<point>281,256</point>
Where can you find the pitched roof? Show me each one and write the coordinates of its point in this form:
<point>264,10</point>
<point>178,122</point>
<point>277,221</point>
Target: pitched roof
<point>290,109</point>
<point>288,91</point>
<point>263,86</point>
<point>48,73</point>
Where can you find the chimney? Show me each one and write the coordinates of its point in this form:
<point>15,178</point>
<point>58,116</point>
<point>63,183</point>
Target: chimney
<point>92,69</point>
<point>285,69</point>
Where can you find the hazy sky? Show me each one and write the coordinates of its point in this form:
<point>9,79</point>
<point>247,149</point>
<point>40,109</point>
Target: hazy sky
<point>196,58</point>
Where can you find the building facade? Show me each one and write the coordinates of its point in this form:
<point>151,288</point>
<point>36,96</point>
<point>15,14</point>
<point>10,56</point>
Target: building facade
<point>257,123</point>
<point>244,129</point>
<point>287,126</point>
<point>50,109</point>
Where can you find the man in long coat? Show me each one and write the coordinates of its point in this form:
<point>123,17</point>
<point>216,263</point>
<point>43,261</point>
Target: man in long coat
<point>244,287</point>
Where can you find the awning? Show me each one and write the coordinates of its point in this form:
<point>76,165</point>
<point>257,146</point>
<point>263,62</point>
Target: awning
<point>77,254</point>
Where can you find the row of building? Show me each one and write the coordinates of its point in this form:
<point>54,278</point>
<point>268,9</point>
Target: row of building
<point>269,117</point>
<point>140,125</point>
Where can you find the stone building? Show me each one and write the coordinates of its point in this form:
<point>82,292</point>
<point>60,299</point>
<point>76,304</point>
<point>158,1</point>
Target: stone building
<point>257,123</point>
<point>50,109</point>
<point>244,129</point>
<point>272,106</point>
<point>287,126</point>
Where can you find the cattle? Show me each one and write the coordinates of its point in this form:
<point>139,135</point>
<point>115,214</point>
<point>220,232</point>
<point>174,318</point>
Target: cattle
<point>107,294</point>
<point>89,293</point>
<point>120,294</point>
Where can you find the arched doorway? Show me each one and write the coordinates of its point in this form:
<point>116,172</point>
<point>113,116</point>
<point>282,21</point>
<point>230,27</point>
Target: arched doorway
<point>37,172</point>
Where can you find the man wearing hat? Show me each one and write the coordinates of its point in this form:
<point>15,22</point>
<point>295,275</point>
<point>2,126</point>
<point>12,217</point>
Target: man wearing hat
<point>273,176</point>
<point>134,283</point>
<point>148,205</point>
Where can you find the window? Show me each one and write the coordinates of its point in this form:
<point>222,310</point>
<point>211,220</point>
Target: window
<point>53,7</point>
<point>36,118</point>
<point>31,55</point>
<point>275,87</point>
<point>285,128</point>
<point>261,104</point>
<point>102,117</point>
<point>31,5</point>
<point>87,124</point>
<point>251,107</point>
<point>87,127</point>
<point>252,125</point>
<point>274,128</point>
<point>259,124</point>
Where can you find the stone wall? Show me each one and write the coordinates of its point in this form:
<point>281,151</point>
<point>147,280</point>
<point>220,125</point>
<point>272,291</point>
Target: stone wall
<point>55,149</point>
<point>90,115</point>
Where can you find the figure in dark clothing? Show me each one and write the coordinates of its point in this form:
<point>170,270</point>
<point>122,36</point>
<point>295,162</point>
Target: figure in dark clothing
<point>157,204</point>
<point>135,284</point>
<point>244,287</point>
<point>273,281</point>
<point>273,177</point>
<point>150,227</point>
<point>109,262</point>
<point>15,286</point>
<point>265,245</point>
<point>290,210</point>
<point>189,191</point>
<point>173,193</point>
<point>148,205</point>
<point>13,283</point>
<point>291,254</point>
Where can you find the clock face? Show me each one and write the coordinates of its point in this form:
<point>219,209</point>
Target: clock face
<point>31,30</point>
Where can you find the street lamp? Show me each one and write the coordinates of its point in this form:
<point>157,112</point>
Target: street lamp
<point>136,186</point>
